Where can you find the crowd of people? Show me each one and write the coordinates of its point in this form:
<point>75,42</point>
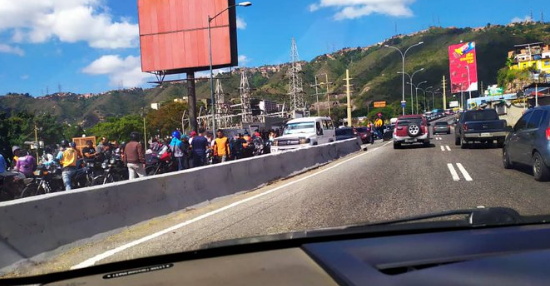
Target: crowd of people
<point>182,151</point>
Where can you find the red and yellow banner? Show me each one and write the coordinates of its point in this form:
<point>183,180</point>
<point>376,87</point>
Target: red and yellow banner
<point>463,67</point>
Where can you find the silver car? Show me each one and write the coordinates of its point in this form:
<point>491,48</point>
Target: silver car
<point>442,127</point>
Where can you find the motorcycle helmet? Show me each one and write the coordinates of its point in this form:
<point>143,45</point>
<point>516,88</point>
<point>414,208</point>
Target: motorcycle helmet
<point>64,143</point>
<point>134,136</point>
<point>15,148</point>
<point>176,134</point>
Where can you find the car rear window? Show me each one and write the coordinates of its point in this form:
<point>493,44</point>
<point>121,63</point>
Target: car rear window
<point>441,123</point>
<point>480,115</point>
<point>407,121</point>
<point>344,131</point>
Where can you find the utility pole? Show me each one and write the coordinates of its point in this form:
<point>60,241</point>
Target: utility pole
<point>36,141</point>
<point>348,92</point>
<point>444,93</point>
<point>317,94</point>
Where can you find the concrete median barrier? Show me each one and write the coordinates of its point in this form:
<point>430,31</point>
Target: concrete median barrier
<point>38,225</point>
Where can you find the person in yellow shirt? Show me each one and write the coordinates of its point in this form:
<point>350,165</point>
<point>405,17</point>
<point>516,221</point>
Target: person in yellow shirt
<point>221,147</point>
<point>67,159</point>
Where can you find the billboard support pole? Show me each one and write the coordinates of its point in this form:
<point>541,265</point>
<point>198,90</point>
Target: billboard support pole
<point>192,101</point>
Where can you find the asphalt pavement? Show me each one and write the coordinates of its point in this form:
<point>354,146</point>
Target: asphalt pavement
<point>369,186</point>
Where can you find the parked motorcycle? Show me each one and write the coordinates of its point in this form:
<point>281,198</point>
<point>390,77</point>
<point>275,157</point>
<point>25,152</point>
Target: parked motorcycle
<point>160,163</point>
<point>47,180</point>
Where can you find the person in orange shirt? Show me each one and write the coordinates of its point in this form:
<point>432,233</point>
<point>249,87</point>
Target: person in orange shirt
<point>221,147</point>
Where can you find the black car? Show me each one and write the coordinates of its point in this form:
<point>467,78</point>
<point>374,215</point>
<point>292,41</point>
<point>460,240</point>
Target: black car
<point>344,133</point>
<point>529,143</point>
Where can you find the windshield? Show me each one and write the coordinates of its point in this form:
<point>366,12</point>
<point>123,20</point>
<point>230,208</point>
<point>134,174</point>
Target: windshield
<point>212,120</point>
<point>300,127</point>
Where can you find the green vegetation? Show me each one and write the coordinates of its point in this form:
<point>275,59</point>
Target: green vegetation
<point>374,70</point>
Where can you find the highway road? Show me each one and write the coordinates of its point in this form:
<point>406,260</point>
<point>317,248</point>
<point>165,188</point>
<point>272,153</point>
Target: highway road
<point>379,184</point>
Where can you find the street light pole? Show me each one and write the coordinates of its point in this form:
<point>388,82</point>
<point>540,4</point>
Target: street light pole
<point>212,100</point>
<point>425,105</point>
<point>411,77</point>
<point>417,104</point>
<point>403,55</point>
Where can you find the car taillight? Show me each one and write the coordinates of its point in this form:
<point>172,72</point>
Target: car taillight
<point>548,133</point>
<point>465,127</point>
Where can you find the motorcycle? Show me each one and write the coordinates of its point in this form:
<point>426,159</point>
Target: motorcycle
<point>160,163</point>
<point>47,180</point>
<point>11,186</point>
<point>113,171</point>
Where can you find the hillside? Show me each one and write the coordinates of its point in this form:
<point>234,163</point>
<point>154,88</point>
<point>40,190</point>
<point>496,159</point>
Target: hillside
<point>374,71</point>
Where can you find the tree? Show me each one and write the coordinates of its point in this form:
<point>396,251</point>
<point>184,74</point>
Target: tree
<point>118,129</point>
<point>167,118</point>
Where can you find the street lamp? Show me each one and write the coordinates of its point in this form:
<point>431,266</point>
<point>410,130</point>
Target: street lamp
<point>426,90</point>
<point>411,77</point>
<point>417,87</point>
<point>403,55</point>
<point>242,4</point>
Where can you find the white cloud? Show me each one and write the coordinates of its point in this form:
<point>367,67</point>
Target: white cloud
<point>352,9</point>
<point>71,21</point>
<point>11,50</point>
<point>524,19</point>
<point>241,24</point>
<point>125,72</point>
<point>243,60</point>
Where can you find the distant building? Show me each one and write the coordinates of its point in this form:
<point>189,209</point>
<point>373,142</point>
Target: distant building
<point>533,55</point>
<point>155,106</point>
<point>267,106</point>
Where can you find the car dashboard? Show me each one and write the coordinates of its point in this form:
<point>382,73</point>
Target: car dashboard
<point>514,255</point>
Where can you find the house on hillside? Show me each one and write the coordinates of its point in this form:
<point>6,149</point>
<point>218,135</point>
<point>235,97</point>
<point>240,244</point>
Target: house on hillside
<point>533,55</point>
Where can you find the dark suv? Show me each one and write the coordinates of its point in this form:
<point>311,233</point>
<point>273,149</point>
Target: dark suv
<point>411,129</point>
<point>529,143</point>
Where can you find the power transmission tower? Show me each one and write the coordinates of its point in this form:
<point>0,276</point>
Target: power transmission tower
<point>59,87</point>
<point>221,107</point>
<point>245,98</point>
<point>296,90</point>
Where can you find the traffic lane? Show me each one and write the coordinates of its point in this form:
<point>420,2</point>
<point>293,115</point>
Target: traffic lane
<point>67,258</point>
<point>367,189</point>
<point>493,185</point>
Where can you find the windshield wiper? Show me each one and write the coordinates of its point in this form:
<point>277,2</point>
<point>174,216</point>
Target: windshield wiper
<point>476,217</point>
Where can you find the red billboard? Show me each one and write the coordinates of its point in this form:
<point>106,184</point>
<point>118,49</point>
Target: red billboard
<point>174,35</point>
<point>463,67</point>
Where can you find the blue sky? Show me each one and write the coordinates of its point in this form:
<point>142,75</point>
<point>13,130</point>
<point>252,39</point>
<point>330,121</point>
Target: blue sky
<point>93,45</point>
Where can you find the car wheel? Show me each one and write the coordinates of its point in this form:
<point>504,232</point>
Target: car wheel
<point>506,159</point>
<point>426,144</point>
<point>541,172</point>
<point>500,143</point>
<point>396,145</point>
<point>457,141</point>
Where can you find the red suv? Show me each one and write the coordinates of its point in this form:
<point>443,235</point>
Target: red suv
<point>411,129</point>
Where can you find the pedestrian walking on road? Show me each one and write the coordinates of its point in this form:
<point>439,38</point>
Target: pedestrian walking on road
<point>221,147</point>
<point>134,157</point>
<point>199,145</point>
<point>238,147</point>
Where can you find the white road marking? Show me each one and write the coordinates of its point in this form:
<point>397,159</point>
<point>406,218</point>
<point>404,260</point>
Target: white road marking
<point>453,172</point>
<point>92,261</point>
<point>442,148</point>
<point>448,148</point>
<point>464,172</point>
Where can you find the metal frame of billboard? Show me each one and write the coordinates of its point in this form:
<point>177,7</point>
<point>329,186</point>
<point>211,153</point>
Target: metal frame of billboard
<point>232,41</point>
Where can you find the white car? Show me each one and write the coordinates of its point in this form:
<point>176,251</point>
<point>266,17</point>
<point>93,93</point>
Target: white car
<point>305,132</point>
